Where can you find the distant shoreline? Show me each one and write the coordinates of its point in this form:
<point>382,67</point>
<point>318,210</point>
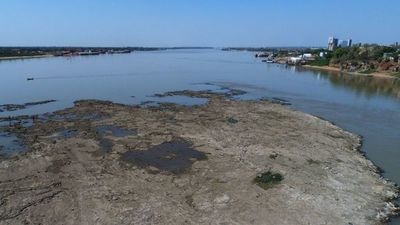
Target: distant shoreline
<point>25,57</point>
<point>74,51</point>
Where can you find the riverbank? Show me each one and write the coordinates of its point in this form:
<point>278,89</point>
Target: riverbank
<point>106,163</point>
<point>335,69</point>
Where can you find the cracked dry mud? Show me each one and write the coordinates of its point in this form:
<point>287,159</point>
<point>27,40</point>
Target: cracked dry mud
<point>72,180</point>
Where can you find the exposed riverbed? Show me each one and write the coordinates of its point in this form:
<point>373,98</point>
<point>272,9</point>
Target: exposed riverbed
<point>191,165</point>
<point>366,106</point>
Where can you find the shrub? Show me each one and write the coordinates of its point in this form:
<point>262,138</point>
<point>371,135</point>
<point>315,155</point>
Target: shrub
<point>268,179</point>
<point>319,62</point>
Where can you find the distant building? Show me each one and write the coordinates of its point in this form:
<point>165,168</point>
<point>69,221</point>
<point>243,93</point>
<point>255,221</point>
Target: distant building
<point>307,56</point>
<point>295,60</point>
<point>334,43</point>
<point>345,43</point>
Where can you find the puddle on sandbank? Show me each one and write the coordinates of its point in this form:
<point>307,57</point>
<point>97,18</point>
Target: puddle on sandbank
<point>105,130</point>
<point>65,134</point>
<point>10,145</point>
<point>106,144</point>
<point>102,131</point>
<point>174,156</point>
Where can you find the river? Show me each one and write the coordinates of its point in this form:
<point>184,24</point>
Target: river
<point>367,106</point>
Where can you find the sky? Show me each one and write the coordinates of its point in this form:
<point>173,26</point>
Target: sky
<point>214,23</point>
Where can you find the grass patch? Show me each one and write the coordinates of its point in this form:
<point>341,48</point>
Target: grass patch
<point>268,179</point>
<point>232,120</point>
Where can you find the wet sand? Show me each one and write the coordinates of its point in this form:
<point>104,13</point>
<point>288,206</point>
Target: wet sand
<point>218,148</point>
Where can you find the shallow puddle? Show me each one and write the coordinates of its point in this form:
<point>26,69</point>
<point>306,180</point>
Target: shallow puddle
<point>10,145</point>
<point>175,156</point>
<point>106,145</point>
<point>115,131</point>
<point>17,122</point>
<point>65,134</point>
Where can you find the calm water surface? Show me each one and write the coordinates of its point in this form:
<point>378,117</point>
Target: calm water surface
<point>366,106</point>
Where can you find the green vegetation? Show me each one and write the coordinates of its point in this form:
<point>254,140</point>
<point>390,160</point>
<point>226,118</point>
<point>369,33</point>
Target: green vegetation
<point>10,52</point>
<point>268,179</point>
<point>362,53</point>
<point>319,62</point>
<point>365,59</point>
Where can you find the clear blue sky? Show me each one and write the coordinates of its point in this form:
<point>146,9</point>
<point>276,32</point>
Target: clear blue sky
<point>215,23</point>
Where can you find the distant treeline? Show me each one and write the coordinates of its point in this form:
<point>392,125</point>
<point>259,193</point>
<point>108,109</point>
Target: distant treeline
<point>363,53</point>
<point>37,51</point>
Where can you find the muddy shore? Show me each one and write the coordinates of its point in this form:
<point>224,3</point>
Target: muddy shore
<point>105,163</point>
<point>334,69</point>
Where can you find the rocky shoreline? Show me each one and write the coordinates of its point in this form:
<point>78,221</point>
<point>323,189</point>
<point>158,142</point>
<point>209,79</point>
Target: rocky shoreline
<point>105,163</point>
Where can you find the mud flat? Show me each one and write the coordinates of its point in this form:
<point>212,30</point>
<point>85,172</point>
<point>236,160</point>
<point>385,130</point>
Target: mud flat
<point>177,164</point>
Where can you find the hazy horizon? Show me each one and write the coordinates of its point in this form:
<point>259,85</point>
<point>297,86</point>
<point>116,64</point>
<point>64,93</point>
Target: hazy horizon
<point>180,23</point>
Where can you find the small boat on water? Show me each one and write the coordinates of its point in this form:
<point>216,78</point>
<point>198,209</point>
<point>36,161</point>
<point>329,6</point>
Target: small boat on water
<point>30,78</point>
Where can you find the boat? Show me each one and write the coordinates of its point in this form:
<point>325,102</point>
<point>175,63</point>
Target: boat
<point>30,78</point>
